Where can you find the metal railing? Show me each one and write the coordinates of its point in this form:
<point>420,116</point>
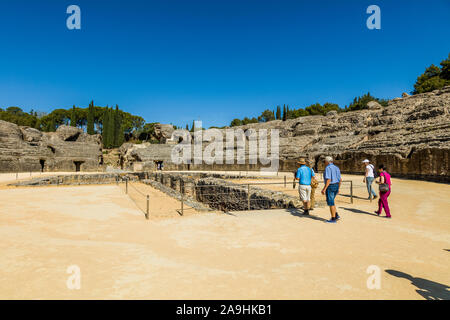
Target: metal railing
<point>232,196</point>
<point>239,196</point>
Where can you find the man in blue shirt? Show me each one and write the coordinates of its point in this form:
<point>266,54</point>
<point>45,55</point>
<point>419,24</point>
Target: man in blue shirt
<point>304,175</point>
<point>332,179</point>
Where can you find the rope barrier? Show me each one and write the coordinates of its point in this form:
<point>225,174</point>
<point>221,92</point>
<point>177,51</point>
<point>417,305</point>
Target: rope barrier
<point>137,190</point>
<point>147,211</point>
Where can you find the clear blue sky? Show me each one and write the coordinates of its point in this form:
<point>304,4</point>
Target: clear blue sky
<point>214,60</point>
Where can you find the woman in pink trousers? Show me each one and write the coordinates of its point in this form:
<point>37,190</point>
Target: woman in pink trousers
<point>385,190</point>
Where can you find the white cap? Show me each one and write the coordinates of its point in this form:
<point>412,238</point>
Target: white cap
<point>366,161</point>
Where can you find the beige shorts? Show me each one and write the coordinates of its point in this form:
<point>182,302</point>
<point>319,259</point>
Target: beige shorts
<point>305,192</point>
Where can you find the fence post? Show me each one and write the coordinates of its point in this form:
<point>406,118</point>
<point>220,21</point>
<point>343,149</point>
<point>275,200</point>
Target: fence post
<point>126,185</point>
<point>248,196</point>
<point>182,204</point>
<point>285,181</point>
<point>148,207</point>
<point>351,191</point>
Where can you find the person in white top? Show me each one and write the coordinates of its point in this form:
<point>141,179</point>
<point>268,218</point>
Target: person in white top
<point>369,177</point>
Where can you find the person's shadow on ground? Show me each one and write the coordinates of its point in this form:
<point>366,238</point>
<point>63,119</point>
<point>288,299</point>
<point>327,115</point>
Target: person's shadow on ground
<point>299,213</point>
<point>356,197</point>
<point>359,211</point>
<point>430,290</point>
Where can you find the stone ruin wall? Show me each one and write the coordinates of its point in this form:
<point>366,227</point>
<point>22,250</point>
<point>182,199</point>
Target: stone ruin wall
<point>81,179</point>
<point>24,149</point>
<point>411,136</point>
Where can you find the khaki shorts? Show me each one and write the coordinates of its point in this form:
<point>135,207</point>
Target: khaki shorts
<point>305,192</point>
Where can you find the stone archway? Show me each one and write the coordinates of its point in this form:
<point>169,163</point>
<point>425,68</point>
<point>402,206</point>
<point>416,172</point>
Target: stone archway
<point>42,163</point>
<point>78,165</point>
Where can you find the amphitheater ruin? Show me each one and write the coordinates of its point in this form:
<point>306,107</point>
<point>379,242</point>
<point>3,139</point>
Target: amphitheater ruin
<point>228,231</point>
<point>411,136</point>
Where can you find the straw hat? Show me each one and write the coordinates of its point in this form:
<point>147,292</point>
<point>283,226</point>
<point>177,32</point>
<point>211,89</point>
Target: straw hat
<point>301,161</point>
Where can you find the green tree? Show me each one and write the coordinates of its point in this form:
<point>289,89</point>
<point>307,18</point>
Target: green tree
<point>360,103</point>
<point>18,116</point>
<point>428,81</point>
<point>118,128</point>
<point>248,120</point>
<point>110,127</point>
<point>73,117</point>
<point>91,119</point>
<point>235,123</point>
<point>55,118</point>
<point>266,116</point>
<point>148,133</point>
<point>105,129</point>
<point>314,109</point>
<point>278,114</point>
<point>52,125</point>
<point>327,107</point>
<point>430,85</point>
<point>433,78</point>
<point>445,68</point>
<point>288,113</point>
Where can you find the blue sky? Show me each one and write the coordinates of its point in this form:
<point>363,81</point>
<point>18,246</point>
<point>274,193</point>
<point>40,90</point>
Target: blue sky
<point>179,60</point>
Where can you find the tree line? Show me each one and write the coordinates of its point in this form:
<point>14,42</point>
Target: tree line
<point>115,125</point>
<point>113,129</point>
<point>433,78</point>
<point>112,124</point>
<point>287,113</point>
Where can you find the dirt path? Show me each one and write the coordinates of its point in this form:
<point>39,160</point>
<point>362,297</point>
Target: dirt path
<point>160,205</point>
<point>274,254</point>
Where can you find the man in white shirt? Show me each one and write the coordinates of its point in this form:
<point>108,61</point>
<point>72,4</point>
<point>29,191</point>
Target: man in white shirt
<point>369,177</point>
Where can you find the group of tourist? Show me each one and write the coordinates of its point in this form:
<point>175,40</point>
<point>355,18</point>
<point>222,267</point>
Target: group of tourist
<point>307,185</point>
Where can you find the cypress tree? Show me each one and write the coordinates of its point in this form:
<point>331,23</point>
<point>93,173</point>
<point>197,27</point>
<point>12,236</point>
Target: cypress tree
<point>110,127</point>
<point>284,113</point>
<point>90,119</point>
<point>121,137</point>
<point>118,129</point>
<point>278,115</point>
<point>73,117</point>
<point>105,125</point>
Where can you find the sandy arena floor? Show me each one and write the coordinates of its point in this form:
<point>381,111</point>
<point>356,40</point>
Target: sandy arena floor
<point>273,254</point>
